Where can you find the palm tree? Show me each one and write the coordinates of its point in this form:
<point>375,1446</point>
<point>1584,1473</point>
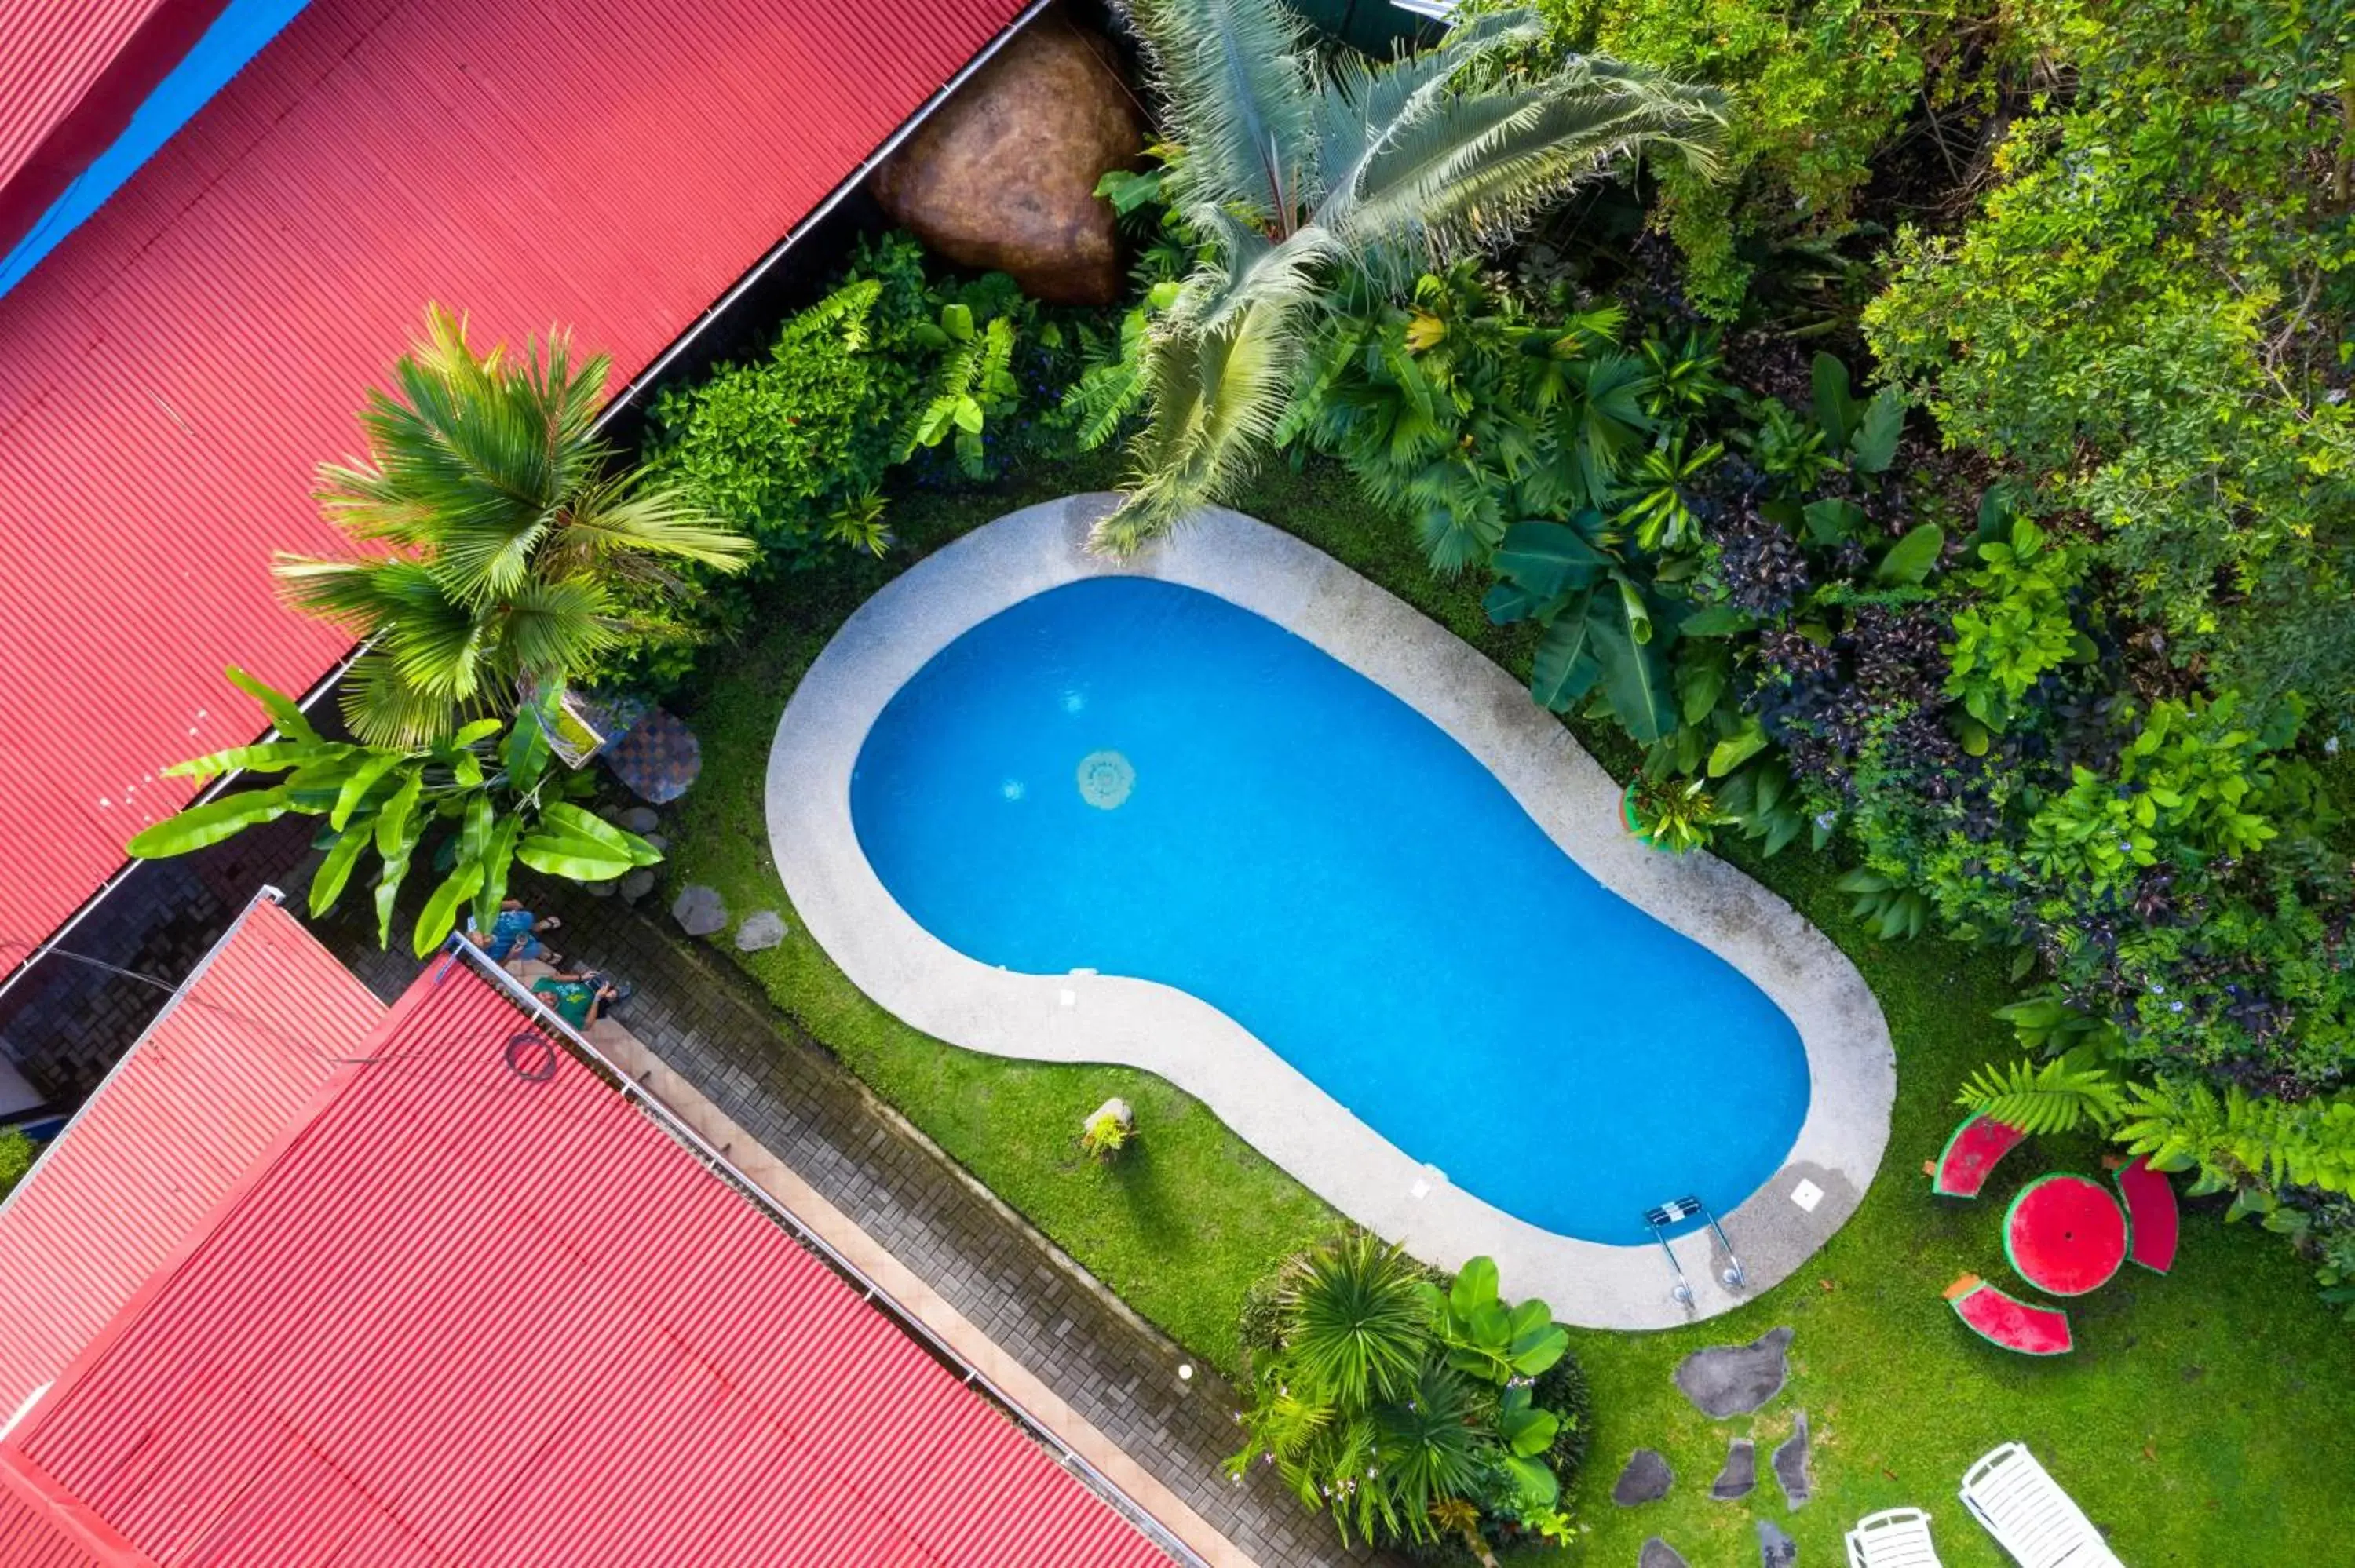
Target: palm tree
<point>508,535</point>
<point>1296,169</point>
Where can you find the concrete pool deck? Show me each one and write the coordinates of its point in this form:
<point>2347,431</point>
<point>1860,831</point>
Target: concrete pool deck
<point>1088,1017</point>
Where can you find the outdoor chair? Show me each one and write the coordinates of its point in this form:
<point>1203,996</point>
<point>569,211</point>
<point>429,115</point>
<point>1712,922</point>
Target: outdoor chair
<point>2029,1514</point>
<point>1894,1538</point>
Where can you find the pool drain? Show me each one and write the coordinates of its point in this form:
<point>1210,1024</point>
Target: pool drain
<point>1105,779</point>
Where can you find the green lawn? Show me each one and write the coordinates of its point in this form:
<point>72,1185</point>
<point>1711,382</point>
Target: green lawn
<point>2204,1418</point>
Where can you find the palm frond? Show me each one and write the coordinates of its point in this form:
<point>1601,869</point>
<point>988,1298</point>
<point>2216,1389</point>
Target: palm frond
<point>1215,400</point>
<point>1460,169</point>
<point>383,710</point>
<point>1234,81</point>
<point>635,513</point>
<point>2047,1098</point>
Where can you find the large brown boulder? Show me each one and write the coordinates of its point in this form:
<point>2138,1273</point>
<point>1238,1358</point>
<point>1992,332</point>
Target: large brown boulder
<point>1004,174</point>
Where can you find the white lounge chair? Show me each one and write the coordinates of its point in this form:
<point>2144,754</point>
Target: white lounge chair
<point>2029,1514</point>
<point>1894,1538</point>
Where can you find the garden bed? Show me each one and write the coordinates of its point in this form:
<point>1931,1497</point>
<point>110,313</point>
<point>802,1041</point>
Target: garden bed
<point>2185,1421</point>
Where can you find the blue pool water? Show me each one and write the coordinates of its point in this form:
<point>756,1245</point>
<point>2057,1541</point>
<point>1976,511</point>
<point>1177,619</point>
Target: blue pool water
<point>1140,778</point>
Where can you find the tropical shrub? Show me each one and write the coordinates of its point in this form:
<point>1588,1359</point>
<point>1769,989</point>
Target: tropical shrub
<point>2148,320</point>
<point>512,536</point>
<point>1411,1410</point>
<point>471,806</point>
<point>1302,171</point>
<point>1822,88</point>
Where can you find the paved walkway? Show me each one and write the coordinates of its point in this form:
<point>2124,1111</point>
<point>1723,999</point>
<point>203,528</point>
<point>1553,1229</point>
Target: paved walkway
<point>700,1016</point>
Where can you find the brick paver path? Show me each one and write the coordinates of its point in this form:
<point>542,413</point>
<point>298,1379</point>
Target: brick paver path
<point>703,1017</point>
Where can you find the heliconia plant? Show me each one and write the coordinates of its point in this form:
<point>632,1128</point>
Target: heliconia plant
<point>488,786</point>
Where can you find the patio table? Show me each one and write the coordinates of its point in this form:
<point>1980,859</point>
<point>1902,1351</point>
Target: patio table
<point>2065,1235</point>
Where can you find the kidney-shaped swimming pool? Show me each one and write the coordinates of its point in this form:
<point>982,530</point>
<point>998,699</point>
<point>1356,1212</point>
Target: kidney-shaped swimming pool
<point>1133,776</point>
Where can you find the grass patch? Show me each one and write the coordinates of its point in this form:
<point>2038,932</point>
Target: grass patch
<point>2199,1419</point>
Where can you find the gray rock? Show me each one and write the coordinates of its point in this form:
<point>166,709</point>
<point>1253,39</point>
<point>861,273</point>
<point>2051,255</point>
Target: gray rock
<point>662,844</point>
<point>640,820</point>
<point>1645,1479</point>
<point>759,932</point>
<point>637,883</point>
<point>1659,1553</point>
<point>599,889</point>
<point>1791,1466</point>
<point>1733,1379</point>
<point>699,911</point>
<point>1741,1472</point>
<point>1775,1549</point>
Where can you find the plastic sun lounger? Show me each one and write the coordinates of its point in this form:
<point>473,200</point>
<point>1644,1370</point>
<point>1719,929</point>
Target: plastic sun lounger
<point>2029,1514</point>
<point>1894,1538</point>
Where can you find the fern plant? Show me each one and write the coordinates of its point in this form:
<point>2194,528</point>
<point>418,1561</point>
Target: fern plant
<point>2237,1142</point>
<point>1888,905</point>
<point>2045,1097</point>
<point>976,378</point>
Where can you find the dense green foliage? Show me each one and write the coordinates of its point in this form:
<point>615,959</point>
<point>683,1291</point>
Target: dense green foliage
<point>1406,1412</point>
<point>509,541</point>
<point>1820,88</point>
<point>475,805</point>
<point>1306,170</point>
<point>2185,1423</point>
<point>18,1153</point>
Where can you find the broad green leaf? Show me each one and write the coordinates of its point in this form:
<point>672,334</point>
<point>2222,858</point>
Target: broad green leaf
<point>208,823</point>
<point>268,756</point>
<point>474,837</point>
<point>956,320</point>
<point>569,817</point>
<point>315,787</point>
<point>1632,606</point>
<point>1877,433</point>
<point>1474,1287</point>
<point>1538,1488</point>
<point>396,850</point>
<point>572,858</point>
<point>1509,602</point>
<point>392,824</point>
<point>1546,558</point>
<point>474,734</point>
<point>363,779</point>
<point>1736,749</point>
<point>1836,410</point>
<point>1715,621</point>
<point>527,751</point>
<point>1635,677</point>
<point>1567,664</point>
<point>440,916</point>
<point>1913,557</point>
<point>1832,520</point>
<point>281,708</point>
<point>498,859</point>
<point>327,883</point>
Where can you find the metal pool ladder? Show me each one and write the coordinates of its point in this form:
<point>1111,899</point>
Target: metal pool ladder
<point>1677,1212</point>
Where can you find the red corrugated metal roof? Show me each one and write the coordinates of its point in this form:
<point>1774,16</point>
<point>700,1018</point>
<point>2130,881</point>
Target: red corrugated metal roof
<point>170,375</point>
<point>228,1069</point>
<point>467,1317</point>
<point>71,74</point>
<point>30,1537</point>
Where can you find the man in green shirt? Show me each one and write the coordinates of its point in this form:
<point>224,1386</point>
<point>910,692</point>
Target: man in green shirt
<point>579,1000</point>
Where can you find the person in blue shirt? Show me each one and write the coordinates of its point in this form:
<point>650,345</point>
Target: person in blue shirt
<point>515,934</point>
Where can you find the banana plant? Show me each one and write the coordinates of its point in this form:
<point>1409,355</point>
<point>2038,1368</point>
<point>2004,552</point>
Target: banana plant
<point>1603,627</point>
<point>1487,1338</point>
<point>487,789</point>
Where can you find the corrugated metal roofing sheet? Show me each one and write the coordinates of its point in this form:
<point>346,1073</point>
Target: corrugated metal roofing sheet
<point>468,1317</point>
<point>30,1537</point>
<point>170,375</point>
<point>71,74</point>
<point>227,1070</point>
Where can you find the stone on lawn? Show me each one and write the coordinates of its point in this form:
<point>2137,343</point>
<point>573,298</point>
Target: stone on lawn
<point>1775,1549</point>
<point>1733,1379</point>
<point>1791,1464</point>
<point>1003,175</point>
<point>660,843</point>
<point>1645,1479</point>
<point>636,884</point>
<point>640,820</point>
<point>759,932</point>
<point>699,911</point>
<point>599,889</point>
<point>1741,1472</point>
<point>1659,1553</point>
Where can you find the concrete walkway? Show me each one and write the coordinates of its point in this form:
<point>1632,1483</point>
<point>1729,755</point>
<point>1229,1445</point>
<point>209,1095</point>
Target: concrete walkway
<point>730,1064</point>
